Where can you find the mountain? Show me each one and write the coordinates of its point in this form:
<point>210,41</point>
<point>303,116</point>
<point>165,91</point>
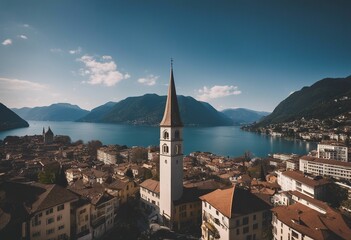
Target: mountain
<point>54,112</point>
<point>149,108</point>
<point>98,113</point>
<point>326,98</point>
<point>9,119</point>
<point>244,116</point>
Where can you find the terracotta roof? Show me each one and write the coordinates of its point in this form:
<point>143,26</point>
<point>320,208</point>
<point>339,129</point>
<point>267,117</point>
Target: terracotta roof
<point>313,223</point>
<point>171,117</point>
<point>313,201</point>
<point>327,161</point>
<point>37,197</point>
<point>235,201</point>
<point>152,185</point>
<point>301,177</point>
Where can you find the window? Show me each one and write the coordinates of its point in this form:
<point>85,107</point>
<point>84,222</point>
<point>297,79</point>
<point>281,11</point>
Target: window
<point>254,217</point>
<point>246,230</point>
<point>51,210</point>
<point>294,234</point>
<point>165,135</point>
<point>36,221</point>
<point>59,217</point>
<point>255,226</point>
<point>61,227</point>
<point>50,231</point>
<point>237,222</point>
<point>82,211</point>
<point>165,148</point>
<point>178,149</point>
<point>62,236</point>
<point>217,213</point>
<point>245,220</point>
<point>61,207</point>
<point>50,220</point>
<point>36,234</point>
<point>238,231</point>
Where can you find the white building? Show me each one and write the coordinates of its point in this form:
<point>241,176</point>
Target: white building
<point>150,196</point>
<point>171,155</point>
<point>234,213</point>
<point>298,221</point>
<point>108,155</point>
<point>333,150</point>
<point>325,167</point>
<point>296,180</point>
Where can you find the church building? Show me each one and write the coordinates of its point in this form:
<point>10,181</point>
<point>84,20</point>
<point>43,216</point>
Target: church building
<point>175,205</point>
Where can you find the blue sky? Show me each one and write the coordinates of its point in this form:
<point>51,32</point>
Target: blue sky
<point>250,54</point>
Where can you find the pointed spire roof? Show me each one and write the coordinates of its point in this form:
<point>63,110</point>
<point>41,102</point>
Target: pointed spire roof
<point>171,117</point>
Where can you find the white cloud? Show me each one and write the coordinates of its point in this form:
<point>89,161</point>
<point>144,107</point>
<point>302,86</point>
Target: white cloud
<point>16,84</point>
<point>106,57</point>
<point>216,91</point>
<point>101,71</point>
<point>56,50</point>
<point>7,42</point>
<point>23,36</point>
<point>75,51</point>
<point>26,25</point>
<point>126,76</point>
<point>149,80</point>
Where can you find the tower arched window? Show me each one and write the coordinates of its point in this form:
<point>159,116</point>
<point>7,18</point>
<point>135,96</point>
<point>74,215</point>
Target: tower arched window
<point>176,134</point>
<point>178,149</point>
<point>165,135</point>
<point>164,148</point>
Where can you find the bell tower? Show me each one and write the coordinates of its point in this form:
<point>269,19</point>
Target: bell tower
<point>171,153</point>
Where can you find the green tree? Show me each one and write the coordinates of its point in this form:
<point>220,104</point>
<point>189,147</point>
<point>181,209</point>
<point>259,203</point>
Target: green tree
<point>47,177</point>
<point>129,173</point>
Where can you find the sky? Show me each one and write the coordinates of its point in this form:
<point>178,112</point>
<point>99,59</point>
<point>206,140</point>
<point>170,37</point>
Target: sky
<point>232,54</point>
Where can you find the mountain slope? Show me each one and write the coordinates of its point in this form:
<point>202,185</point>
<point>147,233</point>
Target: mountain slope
<point>326,98</point>
<point>9,119</point>
<point>54,112</point>
<point>98,113</point>
<point>243,115</point>
<point>148,109</point>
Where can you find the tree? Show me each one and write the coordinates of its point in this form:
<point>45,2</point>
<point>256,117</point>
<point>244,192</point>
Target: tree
<point>336,195</point>
<point>147,174</point>
<point>129,173</point>
<point>61,178</point>
<point>47,177</point>
<point>93,146</point>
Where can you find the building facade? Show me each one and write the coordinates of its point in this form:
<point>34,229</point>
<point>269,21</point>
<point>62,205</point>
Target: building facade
<point>234,213</point>
<point>325,167</point>
<point>334,151</point>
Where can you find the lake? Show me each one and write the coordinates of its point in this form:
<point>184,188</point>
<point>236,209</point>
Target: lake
<point>227,140</point>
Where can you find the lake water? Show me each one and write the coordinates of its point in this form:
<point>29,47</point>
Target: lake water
<point>226,141</point>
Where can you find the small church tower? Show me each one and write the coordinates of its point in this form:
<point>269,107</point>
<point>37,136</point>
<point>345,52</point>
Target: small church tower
<point>48,136</point>
<point>171,154</point>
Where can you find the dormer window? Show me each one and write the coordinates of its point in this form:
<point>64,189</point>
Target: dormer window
<point>165,148</point>
<point>165,135</point>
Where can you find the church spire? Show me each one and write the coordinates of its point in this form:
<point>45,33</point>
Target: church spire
<point>171,116</point>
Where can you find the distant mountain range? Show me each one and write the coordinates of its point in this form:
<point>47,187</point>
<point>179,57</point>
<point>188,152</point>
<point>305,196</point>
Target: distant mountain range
<point>149,108</point>
<point>54,112</point>
<point>9,119</point>
<point>241,116</point>
<point>326,98</point>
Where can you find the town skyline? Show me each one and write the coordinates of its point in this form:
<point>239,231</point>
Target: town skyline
<point>230,54</point>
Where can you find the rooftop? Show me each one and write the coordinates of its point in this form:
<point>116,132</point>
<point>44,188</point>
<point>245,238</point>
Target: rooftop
<point>313,223</point>
<point>305,179</point>
<point>235,201</point>
<point>152,185</point>
<point>327,161</point>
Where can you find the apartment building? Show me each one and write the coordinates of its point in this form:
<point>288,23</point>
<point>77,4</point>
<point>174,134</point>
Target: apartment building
<point>233,213</point>
<point>314,187</point>
<point>325,167</point>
